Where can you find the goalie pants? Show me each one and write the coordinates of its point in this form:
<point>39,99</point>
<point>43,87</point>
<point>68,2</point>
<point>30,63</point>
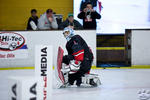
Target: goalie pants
<point>84,68</point>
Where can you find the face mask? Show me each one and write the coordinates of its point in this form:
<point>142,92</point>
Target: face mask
<point>68,38</point>
<point>68,33</point>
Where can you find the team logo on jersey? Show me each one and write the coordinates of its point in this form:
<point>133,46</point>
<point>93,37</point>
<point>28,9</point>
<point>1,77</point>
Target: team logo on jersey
<point>10,41</point>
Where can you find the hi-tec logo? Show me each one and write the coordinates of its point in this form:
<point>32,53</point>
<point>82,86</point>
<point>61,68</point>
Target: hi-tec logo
<point>44,70</point>
<point>11,41</point>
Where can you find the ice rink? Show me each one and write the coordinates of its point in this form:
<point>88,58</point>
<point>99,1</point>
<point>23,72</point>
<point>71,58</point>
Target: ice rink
<point>117,84</point>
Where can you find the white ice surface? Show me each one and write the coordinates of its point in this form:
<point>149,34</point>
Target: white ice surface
<point>117,84</point>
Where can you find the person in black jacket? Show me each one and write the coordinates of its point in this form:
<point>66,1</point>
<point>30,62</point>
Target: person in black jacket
<point>84,2</point>
<point>80,53</point>
<point>33,20</point>
<point>70,22</point>
<point>89,17</point>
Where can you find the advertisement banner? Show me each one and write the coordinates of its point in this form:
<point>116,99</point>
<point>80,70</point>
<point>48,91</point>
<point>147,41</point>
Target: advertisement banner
<point>13,45</point>
<point>43,71</point>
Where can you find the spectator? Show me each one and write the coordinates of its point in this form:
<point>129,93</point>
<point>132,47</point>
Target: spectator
<point>33,20</point>
<point>70,22</point>
<point>89,17</point>
<point>84,2</point>
<point>96,4</point>
<point>47,20</point>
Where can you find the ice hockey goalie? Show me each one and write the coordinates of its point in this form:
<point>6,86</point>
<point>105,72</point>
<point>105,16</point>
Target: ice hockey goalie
<point>77,63</point>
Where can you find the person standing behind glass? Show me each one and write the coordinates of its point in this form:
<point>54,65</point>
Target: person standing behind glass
<point>89,16</point>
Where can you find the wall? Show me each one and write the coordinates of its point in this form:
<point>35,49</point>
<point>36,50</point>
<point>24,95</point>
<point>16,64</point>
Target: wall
<point>54,38</point>
<point>140,47</point>
<point>15,13</point>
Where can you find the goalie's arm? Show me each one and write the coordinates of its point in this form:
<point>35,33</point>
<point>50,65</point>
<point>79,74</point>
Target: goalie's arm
<point>77,53</point>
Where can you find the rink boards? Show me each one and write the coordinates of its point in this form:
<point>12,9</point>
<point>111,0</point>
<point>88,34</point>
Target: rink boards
<point>32,38</point>
<point>139,52</point>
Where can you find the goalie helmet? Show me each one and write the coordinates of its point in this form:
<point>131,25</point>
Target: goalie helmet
<point>68,33</point>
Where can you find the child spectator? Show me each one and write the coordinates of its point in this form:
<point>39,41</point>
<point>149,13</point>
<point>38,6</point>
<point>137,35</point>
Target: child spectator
<point>33,20</point>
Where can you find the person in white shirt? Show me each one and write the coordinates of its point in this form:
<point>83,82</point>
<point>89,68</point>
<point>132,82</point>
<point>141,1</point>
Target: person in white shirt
<point>47,21</point>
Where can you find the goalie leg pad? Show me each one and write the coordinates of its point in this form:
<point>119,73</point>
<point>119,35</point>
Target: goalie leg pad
<point>91,79</point>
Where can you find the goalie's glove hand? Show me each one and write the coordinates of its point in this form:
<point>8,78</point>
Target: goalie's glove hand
<point>67,58</point>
